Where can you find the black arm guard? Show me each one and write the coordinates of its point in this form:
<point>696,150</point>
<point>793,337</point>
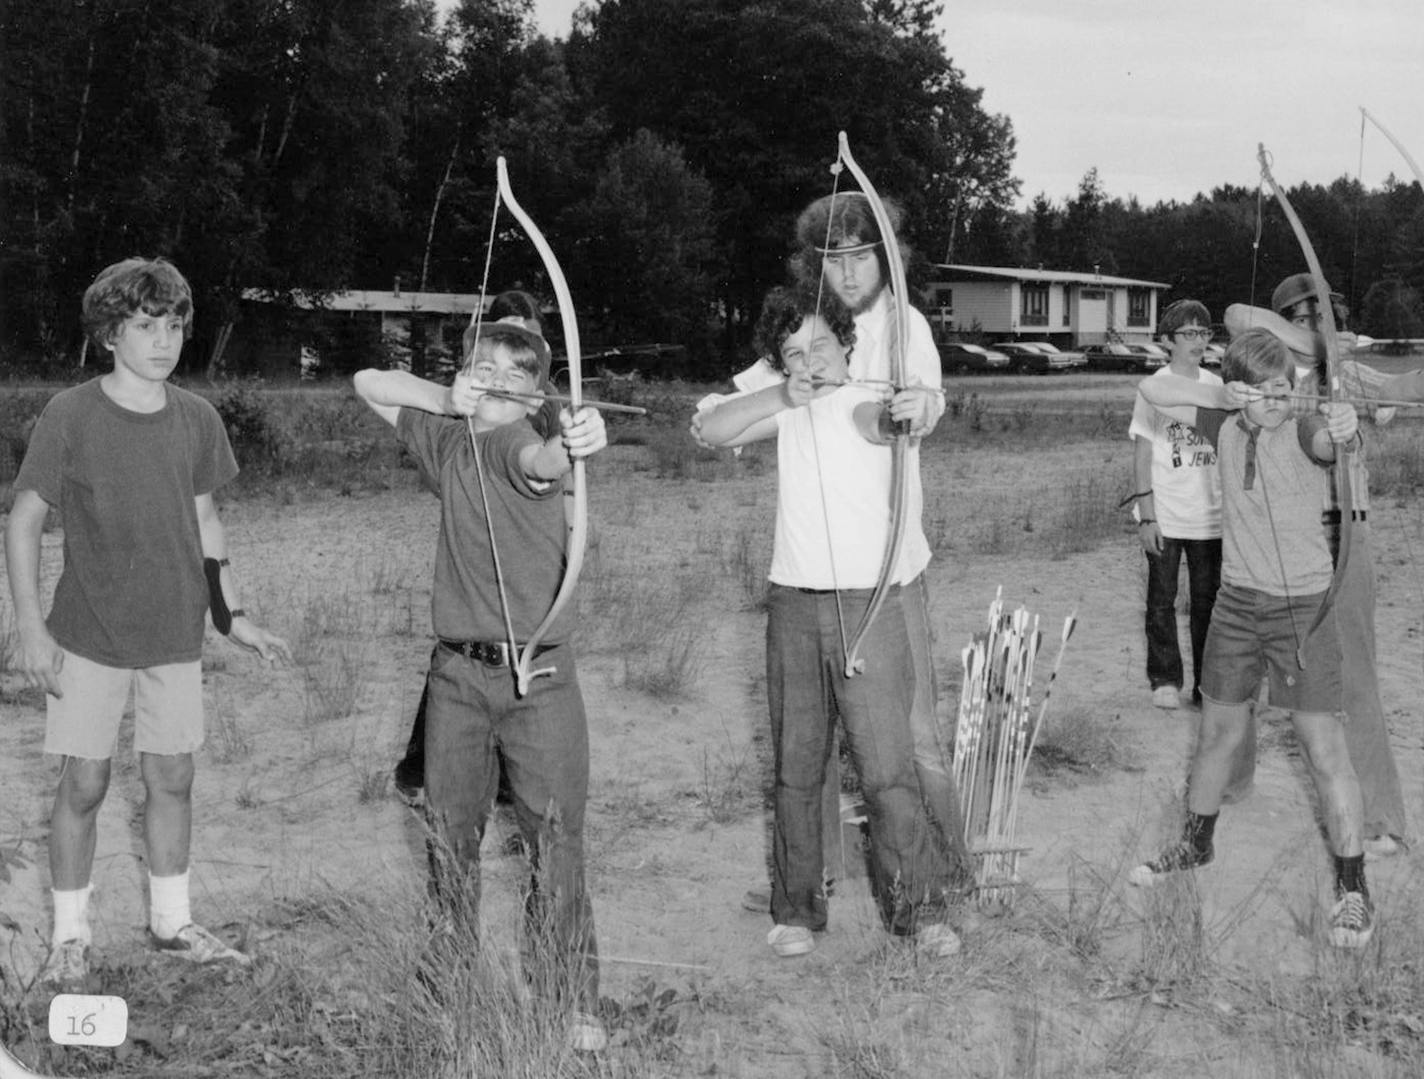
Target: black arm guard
<point>217,605</point>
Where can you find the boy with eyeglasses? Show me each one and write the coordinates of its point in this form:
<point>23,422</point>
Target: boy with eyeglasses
<point>1178,509</point>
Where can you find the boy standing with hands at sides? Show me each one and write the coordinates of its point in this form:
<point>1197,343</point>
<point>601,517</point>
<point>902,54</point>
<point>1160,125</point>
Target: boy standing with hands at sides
<point>498,566</point>
<point>1178,510</point>
<point>1268,618</point>
<point>832,523</point>
<point>131,463</point>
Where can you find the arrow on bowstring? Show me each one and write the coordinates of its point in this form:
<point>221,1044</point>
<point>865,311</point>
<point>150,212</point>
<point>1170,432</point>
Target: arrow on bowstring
<point>606,406</point>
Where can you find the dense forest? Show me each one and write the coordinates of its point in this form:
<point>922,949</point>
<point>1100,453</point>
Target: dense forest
<point>308,146</point>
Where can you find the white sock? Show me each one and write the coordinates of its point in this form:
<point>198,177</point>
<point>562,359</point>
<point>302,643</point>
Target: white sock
<point>168,909</point>
<point>71,915</point>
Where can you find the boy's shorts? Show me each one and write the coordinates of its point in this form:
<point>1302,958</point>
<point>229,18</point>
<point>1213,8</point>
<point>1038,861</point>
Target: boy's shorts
<point>168,708</point>
<point>1253,633</point>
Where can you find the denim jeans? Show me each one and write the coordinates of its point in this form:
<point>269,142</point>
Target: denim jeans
<point>473,720</point>
<point>1164,657</point>
<point>805,675</point>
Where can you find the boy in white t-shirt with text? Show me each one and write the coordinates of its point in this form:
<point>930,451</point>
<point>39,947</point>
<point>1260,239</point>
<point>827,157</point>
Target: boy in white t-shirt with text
<point>1178,510</point>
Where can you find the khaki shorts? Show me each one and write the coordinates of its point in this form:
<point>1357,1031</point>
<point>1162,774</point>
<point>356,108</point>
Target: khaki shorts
<point>168,708</point>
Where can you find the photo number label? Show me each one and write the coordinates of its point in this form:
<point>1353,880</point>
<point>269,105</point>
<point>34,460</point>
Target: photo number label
<point>78,1019</point>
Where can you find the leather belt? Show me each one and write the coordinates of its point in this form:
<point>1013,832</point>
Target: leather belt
<point>490,653</point>
<point>1332,517</point>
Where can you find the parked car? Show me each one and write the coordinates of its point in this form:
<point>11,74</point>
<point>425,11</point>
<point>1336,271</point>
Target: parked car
<point>1211,357</point>
<point>1038,357</point>
<point>1115,357</point>
<point>955,357</point>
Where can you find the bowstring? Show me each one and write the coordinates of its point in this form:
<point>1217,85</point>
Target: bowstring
<point>1260,471</point>
<point>836,170</point>
<point>478,319</point>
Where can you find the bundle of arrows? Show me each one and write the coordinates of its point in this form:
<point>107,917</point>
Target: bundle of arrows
<point>993,740</point>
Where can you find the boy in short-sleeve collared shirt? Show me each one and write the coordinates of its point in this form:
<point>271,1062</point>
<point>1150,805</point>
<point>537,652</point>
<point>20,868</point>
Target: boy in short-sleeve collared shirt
<point>1272,616</point>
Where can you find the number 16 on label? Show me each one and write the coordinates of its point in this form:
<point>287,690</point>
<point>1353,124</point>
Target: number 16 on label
<point>78,1019</point>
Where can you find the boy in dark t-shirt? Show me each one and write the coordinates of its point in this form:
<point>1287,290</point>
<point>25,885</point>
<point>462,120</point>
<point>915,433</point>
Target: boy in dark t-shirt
<point>498,567</point>
<point>131,462</point>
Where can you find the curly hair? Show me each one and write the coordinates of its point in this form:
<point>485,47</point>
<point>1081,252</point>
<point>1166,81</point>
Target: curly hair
<point>153,286</point>
<point>785,310</point>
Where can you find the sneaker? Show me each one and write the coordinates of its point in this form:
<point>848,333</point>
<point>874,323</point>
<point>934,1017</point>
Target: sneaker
<point>1382,846</point>
<point>1352,920</point>
<point>67,965</point>
<point>1174,859</point>
<point>937,941</point>
<point>1166,697</point>
<point>587,1033</point>
<point>791,940</point>
<point>197,945</point>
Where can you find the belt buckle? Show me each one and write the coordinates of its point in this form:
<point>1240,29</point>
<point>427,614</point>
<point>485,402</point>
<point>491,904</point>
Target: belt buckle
<point>491,653</point>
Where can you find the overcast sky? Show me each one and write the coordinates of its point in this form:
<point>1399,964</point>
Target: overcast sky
<point>1168,100</point>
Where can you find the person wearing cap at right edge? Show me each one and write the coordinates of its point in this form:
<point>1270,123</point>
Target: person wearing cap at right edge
<point>1294,318</point>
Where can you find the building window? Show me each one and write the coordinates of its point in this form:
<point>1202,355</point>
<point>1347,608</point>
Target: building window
<point>1139,307</point>
<point>944,300</point>
<point>1034,310</point>
<point>1067,306</point>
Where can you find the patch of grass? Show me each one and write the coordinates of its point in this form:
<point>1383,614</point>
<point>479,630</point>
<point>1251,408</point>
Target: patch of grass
<point>1081,741</point>
<point>670,667</point>
<point>1082,518</point>
<point>746,562</point>
<point>729,788</point>
<point>1091,912</point>
<point>230,743</point>
<point>332,682</point>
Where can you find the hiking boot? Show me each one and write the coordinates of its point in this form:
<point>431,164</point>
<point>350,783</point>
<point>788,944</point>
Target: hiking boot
<point>937,941</point>
<point>788,941</point>
<point>1166,697</point>
<point>1382,846</point>
<point>1352,920</point>
<point>197,945</point>
<point>587,1033</point>
<point>66,966</point>
<point>1174,859</point>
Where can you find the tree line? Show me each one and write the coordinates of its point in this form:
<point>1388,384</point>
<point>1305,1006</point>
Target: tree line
<point>665,148</point>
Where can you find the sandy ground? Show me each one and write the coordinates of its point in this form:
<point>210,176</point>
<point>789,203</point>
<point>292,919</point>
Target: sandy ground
<point>290,799</point>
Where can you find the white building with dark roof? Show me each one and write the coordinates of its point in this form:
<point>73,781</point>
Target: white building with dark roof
<point>1068,308</point>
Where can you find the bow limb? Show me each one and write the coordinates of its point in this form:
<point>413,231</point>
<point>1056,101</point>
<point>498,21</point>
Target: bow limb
<point>1327,344</point>
<point>1408,157</point>
<point>578,531</point>
<point>899,344</point>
